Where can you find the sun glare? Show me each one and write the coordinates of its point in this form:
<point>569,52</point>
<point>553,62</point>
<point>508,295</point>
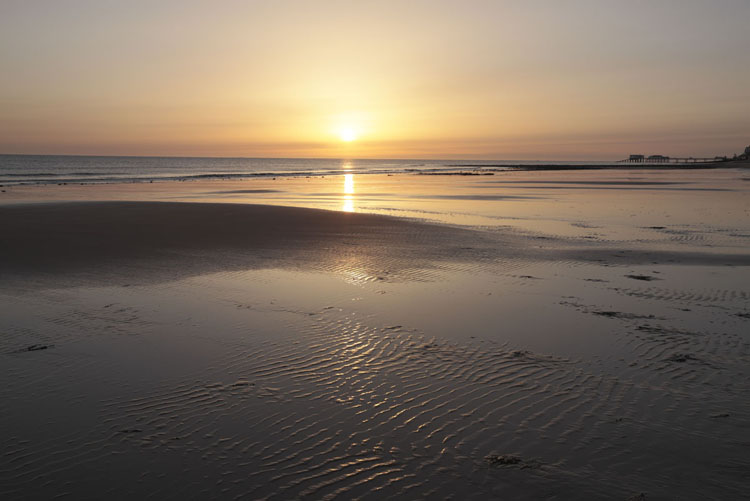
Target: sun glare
<point>347,134</point>
<point>349,184</point>
<point>348,201</point>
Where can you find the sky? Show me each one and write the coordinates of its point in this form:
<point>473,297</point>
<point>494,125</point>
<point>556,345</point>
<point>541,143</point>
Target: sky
<point>531,79</point>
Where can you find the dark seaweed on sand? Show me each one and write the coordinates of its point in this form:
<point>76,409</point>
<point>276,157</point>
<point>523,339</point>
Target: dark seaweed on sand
<point>645,278</point>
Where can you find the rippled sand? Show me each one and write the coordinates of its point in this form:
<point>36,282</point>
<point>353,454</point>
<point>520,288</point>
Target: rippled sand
<point>573,345</point>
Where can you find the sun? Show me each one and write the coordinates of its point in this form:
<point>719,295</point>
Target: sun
<point>347,134</point>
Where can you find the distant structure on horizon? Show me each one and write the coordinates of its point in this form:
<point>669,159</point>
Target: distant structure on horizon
<point>651,159</point>
<point>663,159</point>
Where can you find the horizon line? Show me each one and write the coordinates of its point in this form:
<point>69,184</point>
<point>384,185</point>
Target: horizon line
<point>92,155</point>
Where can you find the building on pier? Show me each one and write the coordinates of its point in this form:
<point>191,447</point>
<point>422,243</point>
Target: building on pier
<point>650,159</point>
<point>658,159</point>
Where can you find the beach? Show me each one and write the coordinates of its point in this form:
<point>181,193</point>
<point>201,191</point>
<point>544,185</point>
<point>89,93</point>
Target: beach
<point>514,335</point>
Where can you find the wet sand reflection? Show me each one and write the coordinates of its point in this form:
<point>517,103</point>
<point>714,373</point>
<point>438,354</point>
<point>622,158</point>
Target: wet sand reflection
<point>348,200</point>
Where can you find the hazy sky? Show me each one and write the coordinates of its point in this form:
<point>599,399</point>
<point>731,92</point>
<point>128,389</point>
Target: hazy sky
<point>524,79</point>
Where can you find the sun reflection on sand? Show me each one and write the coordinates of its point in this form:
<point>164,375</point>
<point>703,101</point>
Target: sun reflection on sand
<point>348,201</point>
<point>348,204</point>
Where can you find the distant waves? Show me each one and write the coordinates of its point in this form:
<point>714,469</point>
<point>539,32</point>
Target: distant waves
<point>52,169</point>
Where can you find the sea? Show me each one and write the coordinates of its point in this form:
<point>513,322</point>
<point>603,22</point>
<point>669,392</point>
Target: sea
<point>58,169</point>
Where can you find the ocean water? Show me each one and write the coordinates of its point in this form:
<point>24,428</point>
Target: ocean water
<point>50,169</point>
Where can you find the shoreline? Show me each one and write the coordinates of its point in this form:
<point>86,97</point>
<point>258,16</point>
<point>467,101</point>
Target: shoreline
<point>457,169</point>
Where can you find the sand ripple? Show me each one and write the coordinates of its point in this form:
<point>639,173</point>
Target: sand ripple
<point>348,408</point>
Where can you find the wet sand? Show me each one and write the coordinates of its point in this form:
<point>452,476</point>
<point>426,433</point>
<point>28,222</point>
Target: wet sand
<point>525,336</point>
<point>97,242</point>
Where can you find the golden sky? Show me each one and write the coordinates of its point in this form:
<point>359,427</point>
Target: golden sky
<point>526,79</point>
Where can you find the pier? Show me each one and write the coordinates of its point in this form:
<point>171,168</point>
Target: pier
<point>660,159</point>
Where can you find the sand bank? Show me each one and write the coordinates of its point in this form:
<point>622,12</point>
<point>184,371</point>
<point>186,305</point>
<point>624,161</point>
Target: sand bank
<point>161,241</point>
<point>150,241</point>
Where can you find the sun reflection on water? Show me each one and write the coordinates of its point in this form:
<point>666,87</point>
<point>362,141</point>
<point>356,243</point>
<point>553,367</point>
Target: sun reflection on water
<point>348,205</point>
<point>348,200</point>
